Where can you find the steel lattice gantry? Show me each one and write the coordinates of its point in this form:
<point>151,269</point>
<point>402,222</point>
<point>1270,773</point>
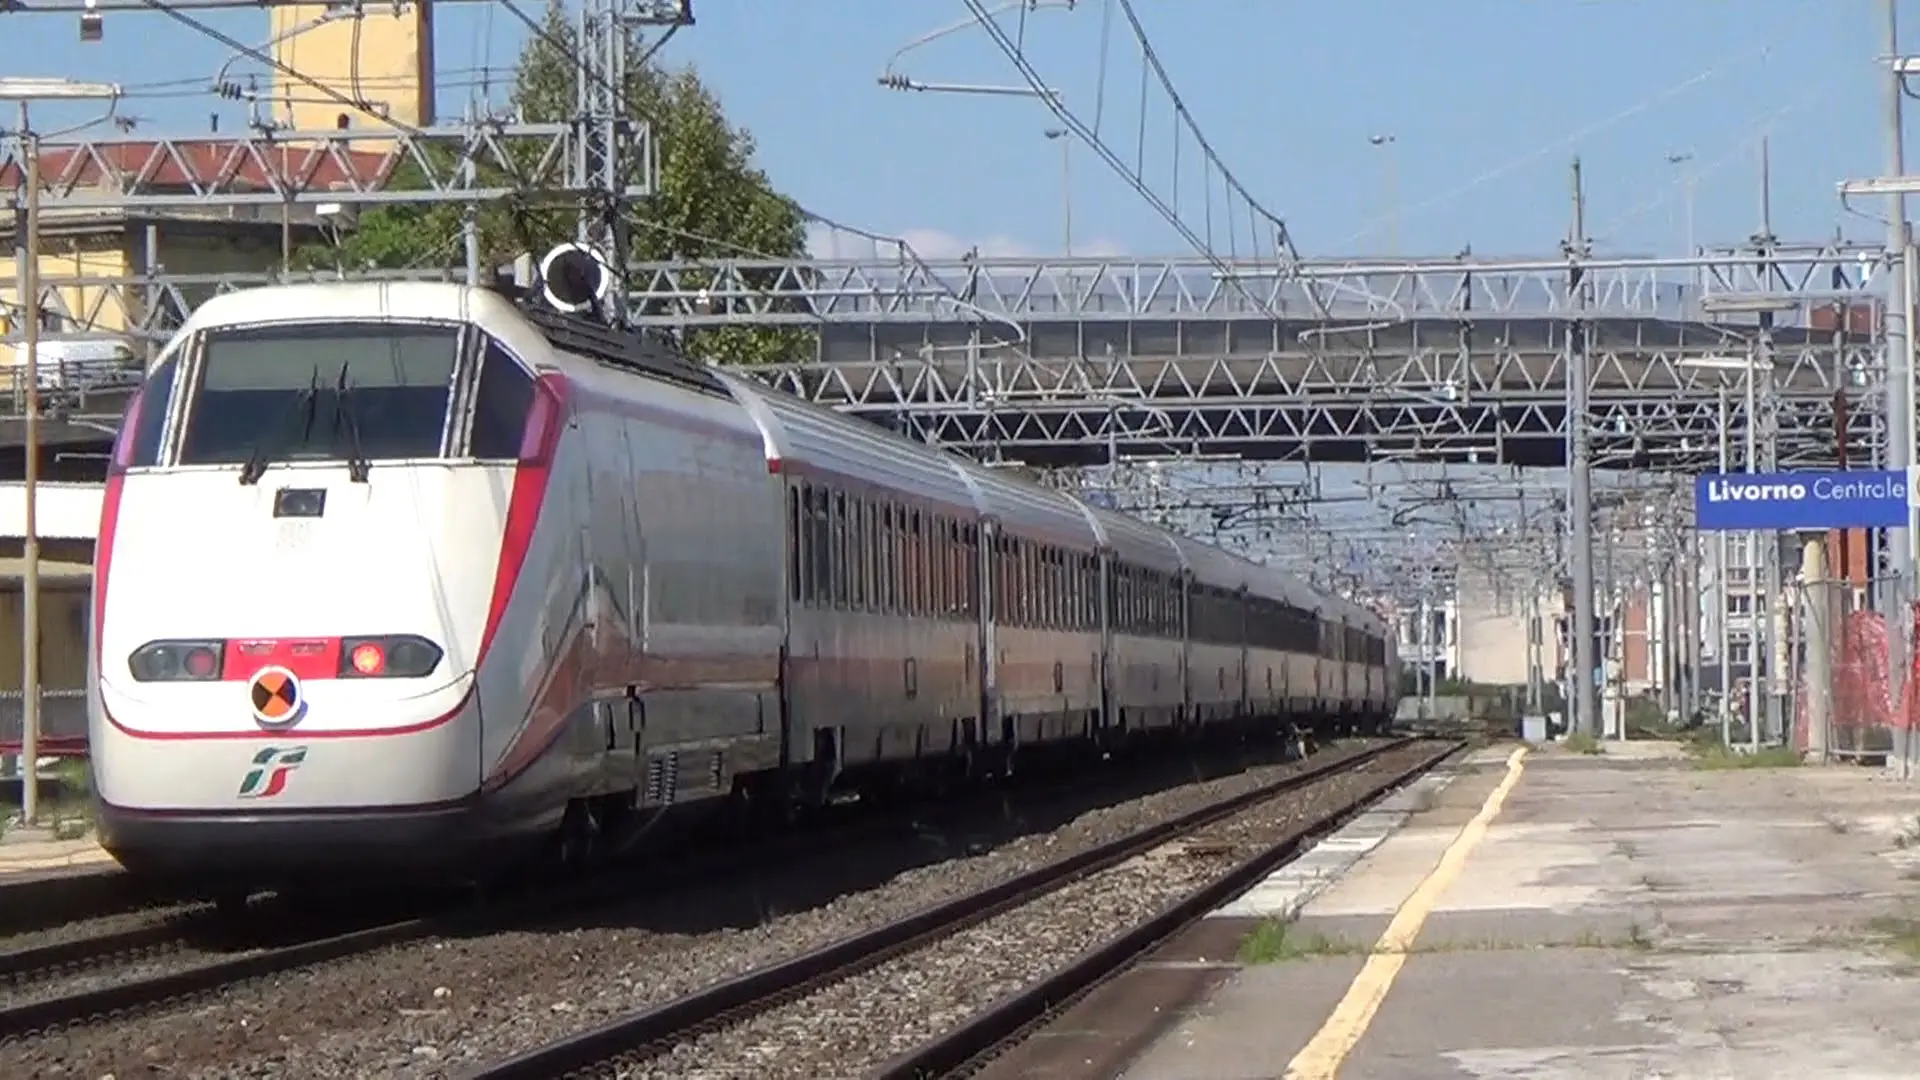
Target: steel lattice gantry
<point>1063,362</point>
<point>1067,361</point>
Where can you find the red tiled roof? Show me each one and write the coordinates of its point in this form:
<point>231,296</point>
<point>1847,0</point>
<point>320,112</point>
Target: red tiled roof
<point>206,164</point>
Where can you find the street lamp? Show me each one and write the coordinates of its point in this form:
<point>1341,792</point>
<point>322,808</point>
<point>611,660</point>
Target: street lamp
<point>26,91</point>
<point>1066,184</point>
<point>1751,366</point>
<point>1384,142</point>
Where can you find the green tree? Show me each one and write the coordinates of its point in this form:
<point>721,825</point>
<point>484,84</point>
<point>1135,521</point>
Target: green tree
<point>711,200</point>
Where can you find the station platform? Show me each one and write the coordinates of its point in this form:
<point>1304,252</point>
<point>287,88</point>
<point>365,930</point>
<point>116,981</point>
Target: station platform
<point>37,853</point>
<point>1549,915</point>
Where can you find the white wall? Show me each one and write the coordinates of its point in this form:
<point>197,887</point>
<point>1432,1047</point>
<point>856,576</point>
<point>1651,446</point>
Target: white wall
<point>65,511</point>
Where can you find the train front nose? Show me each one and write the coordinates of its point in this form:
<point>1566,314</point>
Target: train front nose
<point>256,756</point>
<point>283,694</point>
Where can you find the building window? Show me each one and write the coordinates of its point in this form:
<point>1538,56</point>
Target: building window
<point>1737,552</point>
<point>1740,604</point>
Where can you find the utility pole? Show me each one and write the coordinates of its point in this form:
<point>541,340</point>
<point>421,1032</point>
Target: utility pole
<point>1762,421</point>
<point>1897,596</point>
<point>1722,560</point>
<point>30,531</point>
<point>25,92</point>
<point>1583,706</point>
<point>1385,143</point>
<point>1060,135</point>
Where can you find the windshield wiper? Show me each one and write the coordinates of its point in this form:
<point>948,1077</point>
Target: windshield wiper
<point>358,467</point>
<point>256,465</point>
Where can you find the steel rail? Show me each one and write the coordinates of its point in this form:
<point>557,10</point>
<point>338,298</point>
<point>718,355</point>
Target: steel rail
<point>18,965</point>
<point>62,896</point>
<point>965,1050</point>
<point>326,941</point>
<point>652,1031</point>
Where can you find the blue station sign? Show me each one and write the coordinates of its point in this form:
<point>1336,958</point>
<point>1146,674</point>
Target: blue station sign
<point>1855,499</point>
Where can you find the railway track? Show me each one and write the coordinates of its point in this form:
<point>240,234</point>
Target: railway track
<point>46,901</point>
<point>194,951</point>
<point>774,1009</point>
<point>95,976</point>
<point>100,977</point>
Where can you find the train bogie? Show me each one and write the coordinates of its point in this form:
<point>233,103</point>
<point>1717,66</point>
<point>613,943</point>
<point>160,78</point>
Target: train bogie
<point>643,585</point>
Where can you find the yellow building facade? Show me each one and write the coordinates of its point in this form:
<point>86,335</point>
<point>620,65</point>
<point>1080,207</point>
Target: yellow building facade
<point>382,57</point>
<point>85,261</point>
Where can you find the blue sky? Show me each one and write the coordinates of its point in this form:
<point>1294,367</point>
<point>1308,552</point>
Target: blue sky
<point>1486,101</point>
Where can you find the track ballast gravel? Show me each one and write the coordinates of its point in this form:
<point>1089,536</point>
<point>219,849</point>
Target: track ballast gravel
<point>851,1028</point>
<point>94,926</point>
<point>438,1008</point>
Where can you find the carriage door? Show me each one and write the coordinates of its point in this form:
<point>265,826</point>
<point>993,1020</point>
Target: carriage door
<point>1246,659</point>
<point>1104,566</point>
<point>1346,663</point>
<point>1186,644</point>
<point>989,548</point>
<point>1321,676</point>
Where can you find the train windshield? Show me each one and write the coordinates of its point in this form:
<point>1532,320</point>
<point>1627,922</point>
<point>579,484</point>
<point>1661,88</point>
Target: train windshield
<point>329,392</point>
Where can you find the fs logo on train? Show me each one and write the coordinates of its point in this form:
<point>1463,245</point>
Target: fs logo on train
<point>271,767</point>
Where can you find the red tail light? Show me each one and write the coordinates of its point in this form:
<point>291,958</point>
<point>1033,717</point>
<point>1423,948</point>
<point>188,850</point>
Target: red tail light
<point>368,658</point>
<point>400,656</point>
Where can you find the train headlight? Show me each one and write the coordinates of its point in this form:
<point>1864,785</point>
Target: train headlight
<point>177,661</point>
<point>401,656</point>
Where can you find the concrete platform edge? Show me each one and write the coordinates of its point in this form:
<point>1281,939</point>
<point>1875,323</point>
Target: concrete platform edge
<point>1288,890</point>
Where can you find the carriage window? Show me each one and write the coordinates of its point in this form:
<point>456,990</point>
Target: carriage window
<point>321,393</point>
<point>795,556</point>
<point>882,559</point>
<point>943,575</point>
<point>857,552</point>
<point>917,543</point>
<point>501,405</point>
<point>839,579</point>
<point>146,418</point>
<point>819,547</point>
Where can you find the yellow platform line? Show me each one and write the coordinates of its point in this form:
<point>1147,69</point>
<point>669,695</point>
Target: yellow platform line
<point>1323,1055</point>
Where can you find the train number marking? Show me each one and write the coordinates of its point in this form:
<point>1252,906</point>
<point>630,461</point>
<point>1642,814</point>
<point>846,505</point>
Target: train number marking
<point>271,767</point>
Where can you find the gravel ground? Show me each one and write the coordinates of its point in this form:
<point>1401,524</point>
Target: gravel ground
<point>92,927</point>
<point>436,1008</point>
<point>851,1028</point>
<point>200,940</point>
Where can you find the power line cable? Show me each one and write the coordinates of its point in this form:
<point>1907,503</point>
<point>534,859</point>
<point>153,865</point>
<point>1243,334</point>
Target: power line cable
<point>256,54</point>
<point>1134,176</point>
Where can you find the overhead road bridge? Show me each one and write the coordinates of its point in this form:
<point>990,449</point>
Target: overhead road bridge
<point>1073,361</point>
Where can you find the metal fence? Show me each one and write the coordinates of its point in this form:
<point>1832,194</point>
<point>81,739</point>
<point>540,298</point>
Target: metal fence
<point>63,722</point>
<point>69,384</point>
<point>1843,708</point>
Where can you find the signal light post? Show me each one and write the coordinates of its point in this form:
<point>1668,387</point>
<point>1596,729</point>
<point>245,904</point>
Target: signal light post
<point>25,92</point>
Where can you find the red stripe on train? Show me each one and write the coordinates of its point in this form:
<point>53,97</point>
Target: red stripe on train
<point>545,421</point>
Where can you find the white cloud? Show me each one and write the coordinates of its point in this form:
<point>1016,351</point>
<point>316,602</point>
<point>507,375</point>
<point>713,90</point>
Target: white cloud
<point>934,244</point>
<point>826,242</point>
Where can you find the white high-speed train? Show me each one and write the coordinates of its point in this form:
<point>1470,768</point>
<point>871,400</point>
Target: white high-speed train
<point>408,577</point>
